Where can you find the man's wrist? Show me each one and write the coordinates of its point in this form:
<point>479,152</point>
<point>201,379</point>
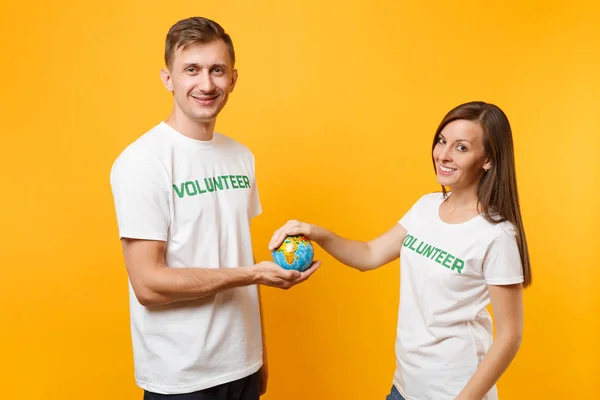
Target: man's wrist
<point>252,274</point>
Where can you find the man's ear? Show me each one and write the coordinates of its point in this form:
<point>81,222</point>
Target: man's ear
<point>234,78</point>
<point>165,76</point>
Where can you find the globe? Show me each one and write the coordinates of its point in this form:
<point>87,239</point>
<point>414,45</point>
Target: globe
<point>295,253</point>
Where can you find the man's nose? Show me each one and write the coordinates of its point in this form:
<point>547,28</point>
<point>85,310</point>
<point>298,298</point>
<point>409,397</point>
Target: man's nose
<point>206,84</point>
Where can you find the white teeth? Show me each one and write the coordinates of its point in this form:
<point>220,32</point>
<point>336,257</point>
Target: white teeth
<point>446,169</point>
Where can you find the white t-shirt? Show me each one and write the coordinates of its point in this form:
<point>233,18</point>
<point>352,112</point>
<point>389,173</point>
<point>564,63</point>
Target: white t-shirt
<point>199,197</point>
<point>444,329</point>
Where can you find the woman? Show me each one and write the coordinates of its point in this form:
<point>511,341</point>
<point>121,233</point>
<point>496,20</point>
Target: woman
<point>459,250</point>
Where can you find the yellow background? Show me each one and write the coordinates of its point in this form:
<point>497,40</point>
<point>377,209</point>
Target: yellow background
<point>339,101</point>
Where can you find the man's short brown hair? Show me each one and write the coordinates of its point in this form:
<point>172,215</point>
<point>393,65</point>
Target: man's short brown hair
<point>195,30</point>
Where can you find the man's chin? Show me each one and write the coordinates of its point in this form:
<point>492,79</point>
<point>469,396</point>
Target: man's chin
<point>205,117</point>
<point>206,114</point>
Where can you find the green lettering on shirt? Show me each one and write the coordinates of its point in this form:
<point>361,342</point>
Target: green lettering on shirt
<point>440,256</point>
<point>209,185</point>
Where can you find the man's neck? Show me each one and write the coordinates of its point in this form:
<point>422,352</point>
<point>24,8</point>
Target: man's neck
<point>193,129</point>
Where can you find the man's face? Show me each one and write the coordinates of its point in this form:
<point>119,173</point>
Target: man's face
<point>201,77</point>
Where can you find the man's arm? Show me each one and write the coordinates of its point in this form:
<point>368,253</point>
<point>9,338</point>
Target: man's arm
<point>154,283</point>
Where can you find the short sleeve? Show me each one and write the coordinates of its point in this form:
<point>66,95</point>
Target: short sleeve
<point>141,202</point>
<point>502,263</point>
<point>254,206</point>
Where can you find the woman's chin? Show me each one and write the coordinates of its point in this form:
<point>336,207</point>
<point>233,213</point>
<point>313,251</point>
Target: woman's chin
<point>445,180</point>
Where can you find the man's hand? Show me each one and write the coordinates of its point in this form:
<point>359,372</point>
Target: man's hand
<point>271,274</point>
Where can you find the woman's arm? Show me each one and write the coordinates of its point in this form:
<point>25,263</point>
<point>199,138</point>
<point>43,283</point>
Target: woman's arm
<point>360,255</point>
<point>507,305</point>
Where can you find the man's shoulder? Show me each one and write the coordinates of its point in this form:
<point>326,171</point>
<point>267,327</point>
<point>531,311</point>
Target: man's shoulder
<point>147,149</point>
<point>150,144</point>
<point>233,145</point>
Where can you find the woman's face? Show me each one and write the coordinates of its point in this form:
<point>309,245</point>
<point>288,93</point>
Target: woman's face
<point>459,155</point>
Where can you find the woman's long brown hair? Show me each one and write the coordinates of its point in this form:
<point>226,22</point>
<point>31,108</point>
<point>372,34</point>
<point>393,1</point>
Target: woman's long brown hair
<point>497,192</point>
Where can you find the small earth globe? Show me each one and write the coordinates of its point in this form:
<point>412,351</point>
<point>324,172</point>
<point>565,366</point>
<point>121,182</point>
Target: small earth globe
<point>295,253</point>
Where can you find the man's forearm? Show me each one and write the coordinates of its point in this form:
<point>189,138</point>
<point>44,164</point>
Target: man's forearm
<point>168,285</point>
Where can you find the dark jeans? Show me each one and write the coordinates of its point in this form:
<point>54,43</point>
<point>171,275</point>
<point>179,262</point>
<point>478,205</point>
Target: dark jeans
<point>394,394</point>
<point>247,388</point>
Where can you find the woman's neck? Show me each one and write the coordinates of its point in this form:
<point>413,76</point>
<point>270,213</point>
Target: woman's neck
<point>462,199</point>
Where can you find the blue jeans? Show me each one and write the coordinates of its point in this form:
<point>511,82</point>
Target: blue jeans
<point>394,394</point>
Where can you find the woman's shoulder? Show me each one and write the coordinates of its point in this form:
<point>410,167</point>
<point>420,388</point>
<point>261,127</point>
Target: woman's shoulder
<point>498,227</point>
<point>427,202</point>
<point>431,198</point>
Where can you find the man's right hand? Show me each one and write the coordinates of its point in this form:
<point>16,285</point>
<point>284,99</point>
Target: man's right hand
<point>270,274</point>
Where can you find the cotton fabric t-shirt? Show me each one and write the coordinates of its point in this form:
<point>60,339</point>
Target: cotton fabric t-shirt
<point>444,329</point>
<point>199,197</point>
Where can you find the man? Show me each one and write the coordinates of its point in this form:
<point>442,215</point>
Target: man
<point>184,197</point>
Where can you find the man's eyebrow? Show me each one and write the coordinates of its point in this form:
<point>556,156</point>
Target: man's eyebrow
<point>196,65</point>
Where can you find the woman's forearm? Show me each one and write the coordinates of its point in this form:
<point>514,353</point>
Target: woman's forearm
<point>496,361</point>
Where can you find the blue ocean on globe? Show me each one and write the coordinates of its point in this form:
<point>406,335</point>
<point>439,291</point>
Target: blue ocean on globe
<point>295,253</point>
